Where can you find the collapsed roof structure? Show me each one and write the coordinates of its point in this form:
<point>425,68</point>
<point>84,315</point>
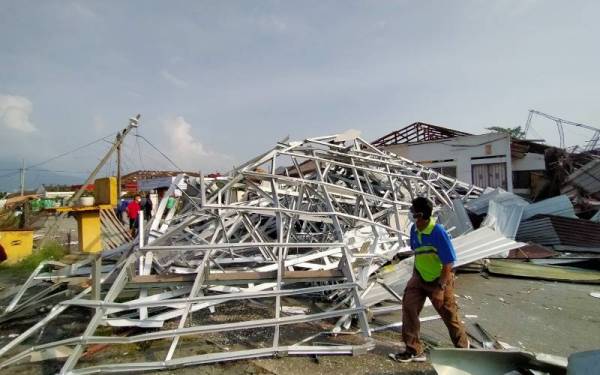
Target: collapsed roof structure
<point>417,132</point>
<point>272,229</point>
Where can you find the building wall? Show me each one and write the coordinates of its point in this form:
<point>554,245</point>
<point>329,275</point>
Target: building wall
<point>531,162</point>
<point>461,152</point>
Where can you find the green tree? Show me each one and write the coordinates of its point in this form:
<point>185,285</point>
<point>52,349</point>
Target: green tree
<point>515,132</point>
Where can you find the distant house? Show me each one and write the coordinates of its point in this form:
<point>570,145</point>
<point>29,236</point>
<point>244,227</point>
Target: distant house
<point>144,180</point>
<point>60,192</point>
<point>486,160</point>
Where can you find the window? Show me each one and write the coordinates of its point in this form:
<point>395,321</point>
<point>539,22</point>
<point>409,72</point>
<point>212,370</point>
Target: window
<point>521,179</point>
<point>489,175</point>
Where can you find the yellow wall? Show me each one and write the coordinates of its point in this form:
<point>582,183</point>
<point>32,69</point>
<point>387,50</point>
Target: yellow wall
<point>17,244</point>
<point>89,228</point>
<point>105,190</point>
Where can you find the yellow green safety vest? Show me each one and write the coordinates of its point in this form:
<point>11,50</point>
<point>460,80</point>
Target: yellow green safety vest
<point>427,261</point>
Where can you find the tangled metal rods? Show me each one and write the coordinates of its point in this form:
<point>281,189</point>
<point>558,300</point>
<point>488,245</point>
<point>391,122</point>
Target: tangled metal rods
<point>306,221</point>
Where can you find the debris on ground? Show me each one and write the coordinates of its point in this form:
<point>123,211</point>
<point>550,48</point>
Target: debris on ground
<point>305,251</point>
<point>306,221</point>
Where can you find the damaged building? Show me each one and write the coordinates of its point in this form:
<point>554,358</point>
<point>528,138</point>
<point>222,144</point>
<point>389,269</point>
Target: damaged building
<point>485,160</point>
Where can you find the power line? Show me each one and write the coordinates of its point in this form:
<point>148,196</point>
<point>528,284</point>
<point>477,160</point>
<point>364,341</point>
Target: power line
<point>54,171</point>
<point>137,141</point>
<point>69,152</point>
<point>129,161</point>
<point>156,159</point>
<point>128,164</point>
<point>160,152</point>
<point>128,157</point>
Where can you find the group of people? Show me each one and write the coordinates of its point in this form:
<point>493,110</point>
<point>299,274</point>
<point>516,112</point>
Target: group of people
<point>129,211</point>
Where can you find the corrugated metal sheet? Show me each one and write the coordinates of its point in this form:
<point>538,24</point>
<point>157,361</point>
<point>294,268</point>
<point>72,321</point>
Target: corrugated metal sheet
<point>540,231</point>
<point>480,204</point>
<point>480,244</point>
<point>455,220</point>
<point>395,276</point>
<point>556,230</point>
<point>504,218</point>
<point>559,206</point>
<point>544,272</point>
<point>577,249</point>
<point>586,178</point>
<point>532,251</point>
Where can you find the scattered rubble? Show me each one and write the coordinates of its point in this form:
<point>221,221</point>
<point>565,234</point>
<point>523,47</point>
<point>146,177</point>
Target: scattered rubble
<point>316,219</point>
<point>313,235</point>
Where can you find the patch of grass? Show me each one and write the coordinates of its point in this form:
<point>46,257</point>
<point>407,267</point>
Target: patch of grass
<point>52,251</point>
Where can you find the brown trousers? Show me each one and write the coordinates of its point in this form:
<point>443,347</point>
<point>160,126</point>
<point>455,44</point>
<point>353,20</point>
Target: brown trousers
<point>442,300</point>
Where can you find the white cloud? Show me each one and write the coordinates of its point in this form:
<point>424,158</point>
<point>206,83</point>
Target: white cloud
<point>188,152</point>
<point>14,113</point>
<point>174,80</point>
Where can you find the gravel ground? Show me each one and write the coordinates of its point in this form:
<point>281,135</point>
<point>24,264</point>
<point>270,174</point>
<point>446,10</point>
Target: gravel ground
<point>549,317</point>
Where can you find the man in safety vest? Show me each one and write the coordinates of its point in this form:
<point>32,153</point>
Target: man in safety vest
<point>432,278</point>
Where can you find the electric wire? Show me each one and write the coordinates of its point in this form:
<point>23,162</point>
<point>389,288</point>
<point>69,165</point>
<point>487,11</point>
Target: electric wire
<point>69,152</point>
<point>137,141</point>
<point>160,152</point>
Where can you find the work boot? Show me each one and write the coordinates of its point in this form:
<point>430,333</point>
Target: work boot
<point>406,357</point>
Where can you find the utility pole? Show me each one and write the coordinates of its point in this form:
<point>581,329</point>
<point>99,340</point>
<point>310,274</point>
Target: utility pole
<point>23,177</point>
<point>133,123</point>
<point>118,167</point>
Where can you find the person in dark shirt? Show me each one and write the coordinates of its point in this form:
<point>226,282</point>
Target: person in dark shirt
<point>147,208</point>
<point>122,211</point>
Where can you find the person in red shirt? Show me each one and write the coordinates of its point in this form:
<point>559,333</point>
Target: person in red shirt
<point>133,211</point>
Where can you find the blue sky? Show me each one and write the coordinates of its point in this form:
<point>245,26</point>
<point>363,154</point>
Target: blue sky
<point>218,82</point>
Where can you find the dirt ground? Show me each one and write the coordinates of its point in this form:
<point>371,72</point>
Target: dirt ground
<point>541,316</point>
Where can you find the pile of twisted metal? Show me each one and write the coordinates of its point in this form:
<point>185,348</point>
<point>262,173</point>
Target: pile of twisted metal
<point>323,221</point>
